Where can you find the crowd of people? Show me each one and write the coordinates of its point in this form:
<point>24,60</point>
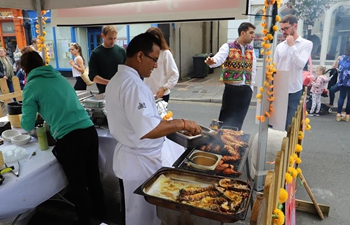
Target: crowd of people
<point>77,144</point>
<point>143,72</point>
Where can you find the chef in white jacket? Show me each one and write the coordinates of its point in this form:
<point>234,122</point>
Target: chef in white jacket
<point>134,121</point>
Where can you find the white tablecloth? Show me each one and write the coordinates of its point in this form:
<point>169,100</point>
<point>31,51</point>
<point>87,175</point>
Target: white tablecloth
<point>170,153</point>
<point>40,178</point>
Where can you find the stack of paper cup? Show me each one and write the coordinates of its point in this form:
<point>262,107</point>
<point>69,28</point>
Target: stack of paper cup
<point>15,120</point>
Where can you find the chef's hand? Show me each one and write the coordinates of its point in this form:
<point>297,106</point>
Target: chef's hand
<point>192,127</point>
<point>290,40</point>
<point>209,61</point>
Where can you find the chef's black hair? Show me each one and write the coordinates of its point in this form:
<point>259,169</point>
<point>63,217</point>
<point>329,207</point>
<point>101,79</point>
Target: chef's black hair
<point>142,42</point>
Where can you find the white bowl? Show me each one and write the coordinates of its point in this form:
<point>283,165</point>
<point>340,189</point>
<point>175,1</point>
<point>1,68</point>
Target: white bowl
<point>8,134</point>
<point>20,139</point>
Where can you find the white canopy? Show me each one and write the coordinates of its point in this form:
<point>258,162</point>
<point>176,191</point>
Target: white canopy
<point>58,4</point>
<point>151,12</point>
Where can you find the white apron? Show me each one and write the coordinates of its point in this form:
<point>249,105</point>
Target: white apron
<point>135,166</point>
<point>171,151</point>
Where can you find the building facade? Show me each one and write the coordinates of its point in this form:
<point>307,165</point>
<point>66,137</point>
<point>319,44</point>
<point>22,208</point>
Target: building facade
<point>12,32</point>
<point>329,35</point>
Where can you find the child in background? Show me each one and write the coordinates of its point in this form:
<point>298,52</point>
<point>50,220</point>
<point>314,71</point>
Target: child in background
<point>317,87</point>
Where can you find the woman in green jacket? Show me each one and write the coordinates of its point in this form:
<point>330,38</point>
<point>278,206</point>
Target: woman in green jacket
<point>48,93</point>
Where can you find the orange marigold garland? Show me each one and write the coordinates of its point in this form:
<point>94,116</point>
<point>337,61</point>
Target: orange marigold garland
<point>41,39</point>
<point>270,65</point>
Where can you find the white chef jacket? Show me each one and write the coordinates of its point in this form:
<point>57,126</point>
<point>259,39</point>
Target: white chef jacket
<point>132,113</point>
<point>165,75</point>
<point>221,56</point>
<point>293,59</point>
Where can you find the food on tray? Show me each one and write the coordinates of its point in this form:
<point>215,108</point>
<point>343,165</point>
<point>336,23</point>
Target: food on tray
<point>232,138</point>
<point>224,196</point>
<point>229,144</point>
<point>185,132</point>
<point>169,188</point>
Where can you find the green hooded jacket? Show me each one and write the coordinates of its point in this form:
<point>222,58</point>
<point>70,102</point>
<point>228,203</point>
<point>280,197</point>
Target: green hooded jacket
<point>48,93</point>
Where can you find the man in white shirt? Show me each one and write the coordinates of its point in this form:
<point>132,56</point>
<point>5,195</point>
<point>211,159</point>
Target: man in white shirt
<point>291,55</point>
<point>35,47</point>
<point>238,73</point>
<point>134,121</point>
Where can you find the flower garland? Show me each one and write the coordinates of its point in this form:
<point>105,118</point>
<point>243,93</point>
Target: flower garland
<point>270,66</point>
<point>168,116</point>
<point>278,216</point>
<point>292,172</point>
<point>41,39</point>
<point>305,123</point>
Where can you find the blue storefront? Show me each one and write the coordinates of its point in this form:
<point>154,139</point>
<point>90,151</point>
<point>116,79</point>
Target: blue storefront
<point>58,39</point>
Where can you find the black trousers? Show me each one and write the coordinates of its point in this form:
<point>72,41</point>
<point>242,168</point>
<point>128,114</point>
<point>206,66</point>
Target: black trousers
<point>77,152</point>
<point>166,97</point>
<point>235,104</point>
<point>79,84</point>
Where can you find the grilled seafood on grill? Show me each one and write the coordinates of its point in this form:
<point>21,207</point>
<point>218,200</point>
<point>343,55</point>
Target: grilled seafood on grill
<point>217,197</point>
<point>226,168</point>
<point>232,140</point>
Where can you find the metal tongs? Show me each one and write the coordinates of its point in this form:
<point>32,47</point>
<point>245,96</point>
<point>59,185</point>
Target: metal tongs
<point>14,170</point>
<point>210,133</point>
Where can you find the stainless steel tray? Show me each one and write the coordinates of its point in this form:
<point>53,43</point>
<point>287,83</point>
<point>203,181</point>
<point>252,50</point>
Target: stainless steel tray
<point>193,179</point>
<point>189,141</point>
<point>182,162</point>
<point>203,161</point>
<point>97,101</point>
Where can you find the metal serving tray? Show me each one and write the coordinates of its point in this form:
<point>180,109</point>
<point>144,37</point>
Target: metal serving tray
<point>97,101</point>
<point>183,163</point>
<point>189,141</point>
<point>150,190</point>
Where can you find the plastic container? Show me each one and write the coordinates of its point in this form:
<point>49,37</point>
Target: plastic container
<point>14,108</point>
<point>13,153</point>
<point>42,138</point>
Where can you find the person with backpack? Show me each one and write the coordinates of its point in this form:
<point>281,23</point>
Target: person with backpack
<point>343,65</point>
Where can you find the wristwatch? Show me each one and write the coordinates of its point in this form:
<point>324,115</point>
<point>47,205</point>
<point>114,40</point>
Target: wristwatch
<point>165,89</point>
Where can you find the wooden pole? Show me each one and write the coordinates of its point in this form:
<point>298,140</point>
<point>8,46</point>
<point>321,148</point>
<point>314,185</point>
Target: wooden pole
<point>319,211</point>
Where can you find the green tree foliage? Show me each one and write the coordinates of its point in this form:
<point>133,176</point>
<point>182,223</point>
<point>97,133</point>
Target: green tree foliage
<point>309,11</point>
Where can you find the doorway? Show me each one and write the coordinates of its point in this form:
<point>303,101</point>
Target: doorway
<point>94,38</point>
<point>10,45</point>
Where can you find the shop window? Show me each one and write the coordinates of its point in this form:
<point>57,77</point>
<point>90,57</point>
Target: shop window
<point>8,28</point>
<point>63,40</point>
<point>258,33</point>
<point>339,33</point>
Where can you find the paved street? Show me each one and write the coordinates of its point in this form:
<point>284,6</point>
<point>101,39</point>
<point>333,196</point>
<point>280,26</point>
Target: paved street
<point>325,157</point>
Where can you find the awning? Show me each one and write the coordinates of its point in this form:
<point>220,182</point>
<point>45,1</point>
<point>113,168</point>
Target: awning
<point>58,4</point>
<point>161,11</point>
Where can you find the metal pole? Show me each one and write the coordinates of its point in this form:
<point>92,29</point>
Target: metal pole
<point>263,127</point>
<point>40,23</point>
